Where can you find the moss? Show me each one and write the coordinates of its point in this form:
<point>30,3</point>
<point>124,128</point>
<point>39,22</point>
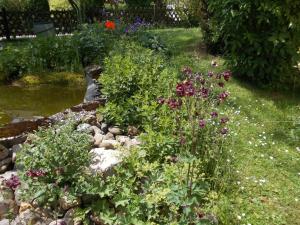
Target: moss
<point>59,78</point>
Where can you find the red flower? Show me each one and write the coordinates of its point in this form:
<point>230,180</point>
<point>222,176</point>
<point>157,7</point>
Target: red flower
<point>110,25</point>
<point>227,75</point>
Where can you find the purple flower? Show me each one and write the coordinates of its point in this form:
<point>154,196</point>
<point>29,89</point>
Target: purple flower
<point>180,90</point>
<point>210,74</point>
<point>174,104</point>
<point>13,182</point>
<point>227,75</point>
<point>224,131</point>
<point>223,96</point>
<point>221,84</point>
<point>214,114</point>
<point>202,123</point>
<point>35,173</point>
<point>189,88</point>
<point>161,100</point>
<point>224,120</point>
<point>187,71</point>
<point>204,92</point>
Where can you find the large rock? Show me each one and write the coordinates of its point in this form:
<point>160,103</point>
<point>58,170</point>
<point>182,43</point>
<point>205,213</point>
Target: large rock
<point>122,139</point>
<point>109,144</point>
<point>3,152</point>
<point>5,164</point>
<point>109,136</point>
<point>98,138</point>
<point>5,222</point>
<point>105,160</point>
<point>30,217</point>
<point>66,202</point>
<point>115,130</point>
<point>60,222</point>
<point>93,88</point>
<point>85,128</point>
<point>7,204</point>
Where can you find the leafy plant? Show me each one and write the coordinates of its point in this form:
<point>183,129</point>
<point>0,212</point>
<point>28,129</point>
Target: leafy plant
<point>54,163</point>
<point>134,78</point>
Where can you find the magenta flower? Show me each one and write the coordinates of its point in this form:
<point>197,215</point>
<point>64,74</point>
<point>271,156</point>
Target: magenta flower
<point>13,182</point>
<point>210,74</point>
<point>174,104</point>
<point>204,92</point>
<point>214,114</point>
<point>221,84</point>
<point>35,173</point>
<point>224,131</point>
<point>187,71</point>
<point>161,100</point>
<point>180,89</point>
<point>223,96</point>
<point>202,123</point>
<point>189,88</point>
<point>224,120</point>
<point>227,75</point>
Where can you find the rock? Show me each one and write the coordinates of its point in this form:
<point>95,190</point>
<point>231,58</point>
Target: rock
<point>98,138</point>
<point>60,222</point>
<point>109,136</point>
<point>97,130</point>
<point>115,130</point>
<point>5,164</point>
<point>3,152</point>
<point>66,202</point>
<point>8,206</point>
<point>122,139</point>
<point>100,118</point>
<point>85,128</point>
<point>15,149</point>
<point>24,206</point>
<point>93,87</point>
<point>96,219</point>
<point>4,222</point>
<point>104,127</point>
<point>104,160</point>
<point>132,131</point>
<point>90,119</point>
<point>29,217</point>
<point>109,144</point>
<point>131,143</point>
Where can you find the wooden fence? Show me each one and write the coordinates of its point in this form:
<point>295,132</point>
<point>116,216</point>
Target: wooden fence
<point>20,24</point>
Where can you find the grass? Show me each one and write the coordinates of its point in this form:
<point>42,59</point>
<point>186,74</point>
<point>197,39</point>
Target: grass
<point>266,134</point>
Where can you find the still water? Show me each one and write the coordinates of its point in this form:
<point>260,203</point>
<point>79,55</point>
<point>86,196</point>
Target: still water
<point>44,100</point>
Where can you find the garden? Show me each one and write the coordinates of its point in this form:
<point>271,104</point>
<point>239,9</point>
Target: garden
<point>150,122</point>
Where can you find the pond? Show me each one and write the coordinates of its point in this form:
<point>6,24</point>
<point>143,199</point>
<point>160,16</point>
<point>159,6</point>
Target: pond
<point>44,100</point>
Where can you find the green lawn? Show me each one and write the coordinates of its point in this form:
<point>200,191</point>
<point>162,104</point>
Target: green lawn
<point>266,149</point>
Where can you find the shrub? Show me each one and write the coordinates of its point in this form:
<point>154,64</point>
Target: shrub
<point>138,3</point>
<point>133,79</point>
<point>14,5</point>
<point>261,37</point>
<point>54,162</point>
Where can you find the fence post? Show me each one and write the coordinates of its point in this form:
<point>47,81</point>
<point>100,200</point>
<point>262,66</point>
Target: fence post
<point>6,27</point>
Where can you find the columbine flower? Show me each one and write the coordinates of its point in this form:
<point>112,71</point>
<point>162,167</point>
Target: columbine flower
<point>180,90</point>
<point>210,74</point>
<point>224,120</point>
<point>13,182</point>
<point>202,123</point>
<point>174,104</point>
<point>110,25</point>
<point>204,92</point>
<point>187,71</point>
<point>227,75</point>
<point>221,84</point>
<point>224,131</point>
<point>161,100</point>
<point>189,88</point>
<point>223,96</point>
<point>214,114</point>
<point>35,173</point>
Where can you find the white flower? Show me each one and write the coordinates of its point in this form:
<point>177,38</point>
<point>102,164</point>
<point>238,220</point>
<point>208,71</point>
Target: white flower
<point>239,217</point>
<point>271,157</point>
<point>298,149</point>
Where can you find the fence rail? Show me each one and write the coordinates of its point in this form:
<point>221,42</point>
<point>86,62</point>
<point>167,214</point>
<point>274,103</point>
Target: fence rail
<point>19,24</point>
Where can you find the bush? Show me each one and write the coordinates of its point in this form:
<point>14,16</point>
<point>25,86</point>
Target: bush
<point>138,3</point>
<point>261,37</point>
<point>133,79</point>
<point>55,161</point>
<point>14,5</point>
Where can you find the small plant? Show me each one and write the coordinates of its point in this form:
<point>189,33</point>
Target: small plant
<point>54,163</point>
